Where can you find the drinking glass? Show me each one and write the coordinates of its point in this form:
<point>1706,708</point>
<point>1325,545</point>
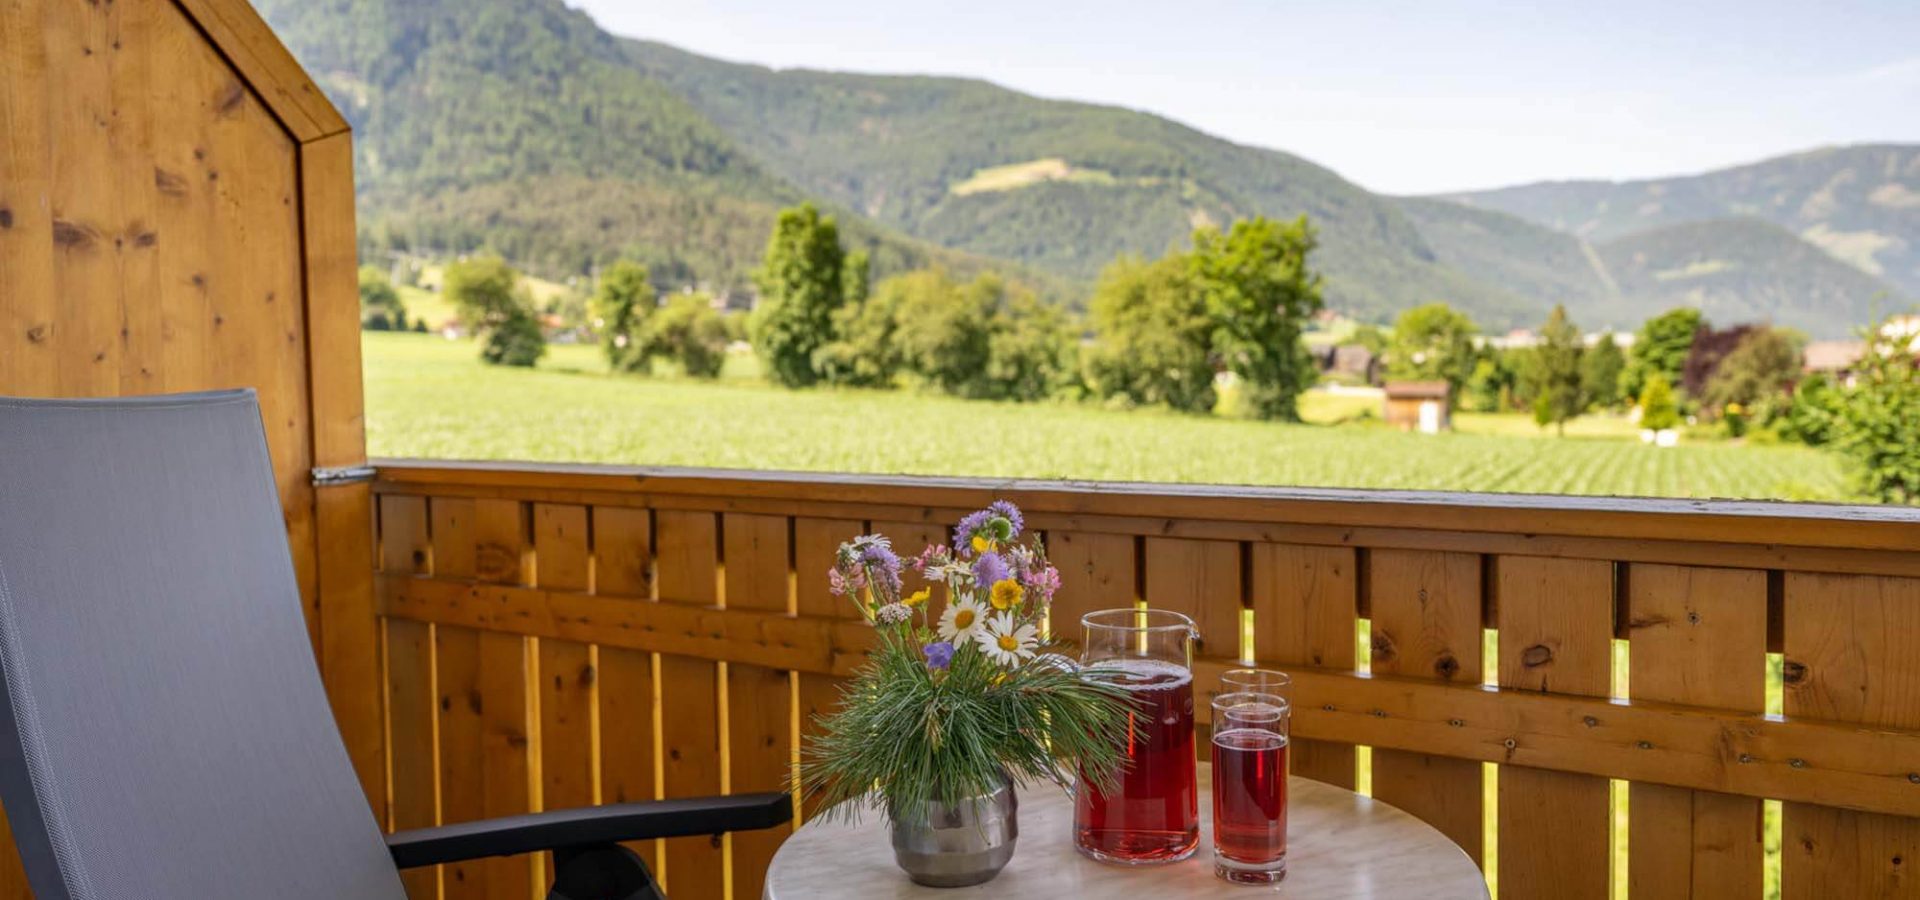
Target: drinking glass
<point>1153,813</point>
<point>1258,681</point>
<point>1250,787</point>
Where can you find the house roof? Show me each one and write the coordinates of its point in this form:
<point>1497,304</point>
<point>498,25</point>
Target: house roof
<point>1832,356</point>
<point>1416,390</point>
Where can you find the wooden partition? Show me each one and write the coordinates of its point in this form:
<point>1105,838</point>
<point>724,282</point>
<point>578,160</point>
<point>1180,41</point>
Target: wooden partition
<point>561,635</point>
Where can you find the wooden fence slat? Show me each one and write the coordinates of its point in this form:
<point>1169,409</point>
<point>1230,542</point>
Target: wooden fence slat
<point>485,718</point>
<point>759,699</point>
<point>1304,604</point>
<point>688,554</point>
<point>1201,579</point>
<point>410,690</point>
<point>1097,571</point>
<point>1426,624</point>
<point>814,543</point>
<point>1556,630</point>
<point>1697,635</point>
<point>623,569</point>
<point>564,694</point>
<point>1852,646</point>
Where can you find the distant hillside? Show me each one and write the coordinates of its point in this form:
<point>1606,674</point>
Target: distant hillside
<point>1861,204</point>
<point>1741,270</point>
<point>520,125</point>
<point>921,153</point>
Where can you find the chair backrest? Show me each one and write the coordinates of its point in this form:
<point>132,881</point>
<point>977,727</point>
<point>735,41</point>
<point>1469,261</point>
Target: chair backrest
<point>163,732</point>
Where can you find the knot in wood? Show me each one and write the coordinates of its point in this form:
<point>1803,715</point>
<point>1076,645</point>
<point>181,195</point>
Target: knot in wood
<point>1383,648</point>
<point>1793,672</point>
<point>1536,656</point>
<point>1446,666</point>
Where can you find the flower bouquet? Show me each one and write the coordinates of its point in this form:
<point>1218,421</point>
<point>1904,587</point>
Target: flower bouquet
<point>956,707</point>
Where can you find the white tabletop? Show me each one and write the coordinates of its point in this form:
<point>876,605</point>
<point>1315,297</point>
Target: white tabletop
<point>1339,845</point>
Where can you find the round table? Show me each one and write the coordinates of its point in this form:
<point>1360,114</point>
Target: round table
<point>1339,845</point>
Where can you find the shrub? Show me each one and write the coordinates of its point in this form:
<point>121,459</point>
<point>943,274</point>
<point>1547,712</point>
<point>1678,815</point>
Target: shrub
<point>623,303</point>
<point>688,331</point>
<point>513,340</point>
<point>1658,411</point>
<point>486,293</point>
<point>380,307</point>
<point>1878,432</point>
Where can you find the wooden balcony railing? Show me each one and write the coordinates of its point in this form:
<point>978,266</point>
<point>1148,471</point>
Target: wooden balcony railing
<point>562,635</point>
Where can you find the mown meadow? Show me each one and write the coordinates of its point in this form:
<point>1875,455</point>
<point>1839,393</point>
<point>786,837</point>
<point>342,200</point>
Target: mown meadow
<point>431,397</point>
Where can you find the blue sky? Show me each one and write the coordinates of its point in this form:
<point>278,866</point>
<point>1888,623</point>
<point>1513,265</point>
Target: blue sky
<point>1403,97</point>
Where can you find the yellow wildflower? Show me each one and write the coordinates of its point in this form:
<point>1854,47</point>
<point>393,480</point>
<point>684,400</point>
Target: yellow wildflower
<point>918,597</point>
<point>982,543</point>
<point>1007,594</point>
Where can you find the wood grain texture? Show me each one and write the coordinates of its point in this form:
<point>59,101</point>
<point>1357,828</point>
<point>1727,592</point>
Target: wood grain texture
<point>565,679</point>
<point>759,699</point>
<point>1097,571</point>
<point>412,726</point>
<point>1426,624</point>
<point>1202,580</point>
<point>1304,603</point>
<point>623,572</point>
<point>486,727</point>
<point>688,551</point>
<point>1852,646</point>
<point>814,543</point>
<point>1697,635</point>
<point>1556,629</point>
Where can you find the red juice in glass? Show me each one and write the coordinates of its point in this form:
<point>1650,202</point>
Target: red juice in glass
<point>1250,789</point>
<point>1153,815</point>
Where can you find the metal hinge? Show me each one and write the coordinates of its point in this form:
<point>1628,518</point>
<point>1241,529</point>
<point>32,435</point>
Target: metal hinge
<point>328,476</point>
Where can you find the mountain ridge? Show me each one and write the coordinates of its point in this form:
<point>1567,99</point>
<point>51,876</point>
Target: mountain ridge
<point>523,126</point>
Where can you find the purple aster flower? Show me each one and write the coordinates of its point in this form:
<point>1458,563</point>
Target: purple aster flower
<point>1006,510</point>
<point>939,655</point>
<point>963,533</point>
<point>990,569</point>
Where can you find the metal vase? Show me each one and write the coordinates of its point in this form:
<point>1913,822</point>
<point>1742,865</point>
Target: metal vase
<point>959,844</point>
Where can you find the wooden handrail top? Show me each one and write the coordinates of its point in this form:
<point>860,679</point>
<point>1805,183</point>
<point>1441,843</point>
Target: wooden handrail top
<point>1747,522</point>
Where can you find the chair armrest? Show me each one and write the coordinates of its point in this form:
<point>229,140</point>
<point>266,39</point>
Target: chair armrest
<point>587,826</point>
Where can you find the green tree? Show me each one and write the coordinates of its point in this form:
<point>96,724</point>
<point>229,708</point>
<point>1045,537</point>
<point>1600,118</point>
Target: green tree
<point>1490,387</point>
<point>380,307</point>
<point>1153,335</point>
<point>800,287</point>
<point>1661,345</point>
<point>865,351</point>
<point>623,302</point>
<point>857,280</point>
<point>1877,431</point>
<point>1601,367</point>
<point>690,332</point>
<point>1555,372</point>
<point>1433,343</point>
<point>1758,374</point>
<point>1258,289</point>
<point>1032,353</point>
<point>950,329</point>
<point>1658,410</point>
<point>1815,415</point>
<point>486,294</point>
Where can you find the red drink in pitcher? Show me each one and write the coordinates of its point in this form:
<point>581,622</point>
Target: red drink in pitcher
<point>1250,788</point>
<point>1153,814</point>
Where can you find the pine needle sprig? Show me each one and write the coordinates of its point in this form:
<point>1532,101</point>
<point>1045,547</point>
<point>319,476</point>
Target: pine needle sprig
<point>906,735</point>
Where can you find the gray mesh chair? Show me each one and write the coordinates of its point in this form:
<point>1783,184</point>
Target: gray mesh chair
<point>163,732</point>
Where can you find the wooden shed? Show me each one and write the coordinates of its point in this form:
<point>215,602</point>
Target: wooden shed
<point>1424,406</point>
<point>176,214</point>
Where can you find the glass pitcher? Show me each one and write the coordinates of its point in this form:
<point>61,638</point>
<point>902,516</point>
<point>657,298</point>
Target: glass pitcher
<point>1153,815</point>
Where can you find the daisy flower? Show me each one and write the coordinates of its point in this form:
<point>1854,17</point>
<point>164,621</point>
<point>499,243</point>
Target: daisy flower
<point>1006,594</point>
<point>961,620</point>
<point>1007,642</point>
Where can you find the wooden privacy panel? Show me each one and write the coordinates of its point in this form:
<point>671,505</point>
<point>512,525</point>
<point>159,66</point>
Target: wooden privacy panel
<point>176,214</point>
<point>688,621</point>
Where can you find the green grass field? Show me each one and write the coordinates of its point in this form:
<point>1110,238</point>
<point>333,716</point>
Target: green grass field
<point>430,397</point>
